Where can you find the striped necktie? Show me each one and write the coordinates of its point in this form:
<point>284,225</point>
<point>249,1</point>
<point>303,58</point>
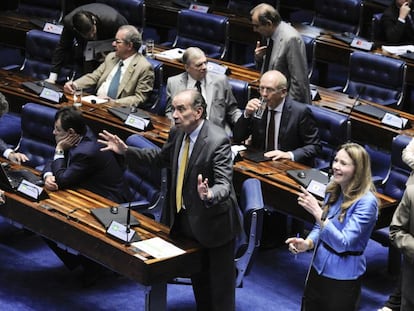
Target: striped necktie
<point>181,171</point>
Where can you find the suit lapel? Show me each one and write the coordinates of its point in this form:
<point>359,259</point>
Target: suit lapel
<point>128,74</point>
<point>197,149</point>
<point>284,119</point>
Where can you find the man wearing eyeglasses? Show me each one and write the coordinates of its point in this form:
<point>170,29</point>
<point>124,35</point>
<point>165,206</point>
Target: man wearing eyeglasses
<point>125,78</point>
<point>90,22</point>
<point>287,128</point>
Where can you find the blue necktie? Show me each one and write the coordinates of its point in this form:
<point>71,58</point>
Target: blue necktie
<point>113,87</point>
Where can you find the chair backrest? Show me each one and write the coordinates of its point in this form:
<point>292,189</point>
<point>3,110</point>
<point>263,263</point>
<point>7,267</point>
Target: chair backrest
<point>333,131</point>
<point>147,183</point>
<point>40,46</point>
<point>207,31</point>
<point>377,33</point>
<point>37,141</point>
<point>394,185</point>
<point>252,210</point>
<point>241,91</point>
<point>310,44</point>
<point>380,163</point>
<point>132,10</point>
<point>376,78</point>
<point>156,102</point>
<point>338,15</point>
<point>10,128</point>
<point>50,9</point>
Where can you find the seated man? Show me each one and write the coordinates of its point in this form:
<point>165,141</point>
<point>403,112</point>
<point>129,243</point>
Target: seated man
<point>125,77</point>
<point>397,23</point>
<point>287,129</point>
<point>5,150</point>
<point>90,22</point>
<point>79,163</point>
<point>221,105</point>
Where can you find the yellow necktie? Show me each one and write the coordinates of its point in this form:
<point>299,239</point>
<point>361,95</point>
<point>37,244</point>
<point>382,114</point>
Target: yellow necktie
<point>181,171</point>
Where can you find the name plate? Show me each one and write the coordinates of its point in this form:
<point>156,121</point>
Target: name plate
<point>138,122</point>
<point>199,8</point>
<point>119,231</point>
<point>394,121</point>
<point>52,28</point>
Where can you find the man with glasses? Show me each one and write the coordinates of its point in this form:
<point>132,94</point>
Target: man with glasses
<point>90,22</point>
<point>126,77</point>
<point>287,128</point>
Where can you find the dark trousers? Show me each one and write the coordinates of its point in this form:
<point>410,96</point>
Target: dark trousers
<point>325,294</point>
<point>215,286</point>
<point>394,301</point>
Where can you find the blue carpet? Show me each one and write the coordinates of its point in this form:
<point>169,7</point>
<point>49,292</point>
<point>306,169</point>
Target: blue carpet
<point>33,278</point>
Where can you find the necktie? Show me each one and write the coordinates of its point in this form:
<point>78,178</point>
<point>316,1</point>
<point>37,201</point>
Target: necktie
<point>113,87</point>
<point>198,86</point>
<point>271,132</point>
<point>268,55</point>
<point>181,171</point>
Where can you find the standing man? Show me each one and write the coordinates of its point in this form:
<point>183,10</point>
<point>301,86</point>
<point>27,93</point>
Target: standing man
<point>285,50</point>
<point>222,108</point>
<point>90,22</point>
<point>397,23</point>
<point>125,77</point>
<point>287,129</point>
<point>203,205</point>
<point>402,237</point>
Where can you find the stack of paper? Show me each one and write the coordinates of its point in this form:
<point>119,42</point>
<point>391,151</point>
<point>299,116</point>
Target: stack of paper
<point>399,49</point>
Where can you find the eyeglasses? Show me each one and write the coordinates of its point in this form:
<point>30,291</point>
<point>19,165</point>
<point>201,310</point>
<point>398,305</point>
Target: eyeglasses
<point>270,89</point>
<point>118,41</point>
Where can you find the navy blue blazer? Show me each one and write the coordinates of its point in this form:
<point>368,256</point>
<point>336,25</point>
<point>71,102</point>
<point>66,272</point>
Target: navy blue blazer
<point>85,166</point>
<point>298,132</point>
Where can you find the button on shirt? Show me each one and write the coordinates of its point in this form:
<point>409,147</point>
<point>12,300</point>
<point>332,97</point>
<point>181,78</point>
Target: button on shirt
<point>103,89</point>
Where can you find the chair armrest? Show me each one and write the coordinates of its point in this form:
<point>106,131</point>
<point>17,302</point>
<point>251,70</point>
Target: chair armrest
<point>336,88</point>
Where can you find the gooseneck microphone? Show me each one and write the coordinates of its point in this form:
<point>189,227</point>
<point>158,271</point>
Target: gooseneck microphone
<point>360,90</point>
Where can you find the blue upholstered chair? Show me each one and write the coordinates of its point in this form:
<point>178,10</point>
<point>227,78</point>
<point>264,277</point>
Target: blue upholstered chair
<point>333,131</point>
<point>157,100</point>
<point>10,128</point>
<point>376,78</point>
<point>38,141</point>
<point>338,15</point>
<point>380,163</point>
<point>132,10</point>
<point>40,46</point>
<point>207,31</point>
<point>49,9</point>
<point>148,184</point>
<point>241,91</point>
<point>310,44</point>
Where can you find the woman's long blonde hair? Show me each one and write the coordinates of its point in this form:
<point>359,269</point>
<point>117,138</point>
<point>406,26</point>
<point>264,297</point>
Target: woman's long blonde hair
<point>359,184</point>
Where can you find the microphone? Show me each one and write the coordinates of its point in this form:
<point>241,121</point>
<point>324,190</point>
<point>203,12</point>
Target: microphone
<point>361,90</point>
<point>128,220</point>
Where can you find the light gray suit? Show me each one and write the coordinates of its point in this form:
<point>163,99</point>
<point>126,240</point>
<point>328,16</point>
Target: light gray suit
<point>224,111</point>
<point>289,57</point>
<point>137,82</point>
<point>402,237</point>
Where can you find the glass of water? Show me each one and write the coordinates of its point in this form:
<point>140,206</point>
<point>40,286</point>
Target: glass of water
<point>149,45</point>
<point>258,114</point>
<point>77,98</point>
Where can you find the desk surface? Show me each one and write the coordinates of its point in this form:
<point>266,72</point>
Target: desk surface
<point>65,218</point>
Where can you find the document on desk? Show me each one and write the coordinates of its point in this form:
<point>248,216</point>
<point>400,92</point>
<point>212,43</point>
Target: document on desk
<point>176,53</point>
<point>157,248</point>
<point>398,49</point>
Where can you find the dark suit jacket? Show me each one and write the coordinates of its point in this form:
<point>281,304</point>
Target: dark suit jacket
<point>215,223</point>
<point>298,132</point>
<point>85,166</point>
<point>3,147</point>
<point>394,31</point>
<point>109,20</point>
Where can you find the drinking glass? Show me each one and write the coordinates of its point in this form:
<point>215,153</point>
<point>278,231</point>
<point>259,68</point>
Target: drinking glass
<point>258,114</point>
<point>77,98</point>
<point>149,45</point>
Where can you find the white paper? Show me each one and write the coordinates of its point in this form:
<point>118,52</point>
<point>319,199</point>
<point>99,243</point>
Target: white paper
<point>399,49</point>
<point>176,53</point>
<point>96,99</point>
<point>158,248</point>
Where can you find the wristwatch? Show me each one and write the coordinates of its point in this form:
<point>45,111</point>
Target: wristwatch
<point>59,151</point>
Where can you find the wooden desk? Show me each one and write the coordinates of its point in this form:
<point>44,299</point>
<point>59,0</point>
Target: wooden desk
<point>281,191</point>
<point>13,29</point>
<point>65,218</point>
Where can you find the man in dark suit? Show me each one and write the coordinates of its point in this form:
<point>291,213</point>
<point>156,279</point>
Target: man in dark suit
<point>222,107</point>
<point>90,22</point>
<point>285,50</point>
<point>206,208</point>
<point>79,163</point>
<point>397,23</point>
<point>136,75</point>
<point>291,133</point>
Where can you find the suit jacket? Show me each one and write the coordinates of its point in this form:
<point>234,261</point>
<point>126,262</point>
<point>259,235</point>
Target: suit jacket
<point>213,224</point>
<point>137,82</point>
<point>289,57</point>
<point>298,132</point>
<point>396,32</point>
<point>408,158</point>
<point>107,24</point>
<point>85,166</point>
<point>224,111</point>
<point>3,147</point>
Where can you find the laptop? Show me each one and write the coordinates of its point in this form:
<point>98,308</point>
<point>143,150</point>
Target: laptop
<point>255,156</point>
<point>346,37</point>
<point>304,177</point>
<point>123,113</point>
<point>11,179</point>
<point>38,86</point>
<point>372,111</point>
<point>105,216</point>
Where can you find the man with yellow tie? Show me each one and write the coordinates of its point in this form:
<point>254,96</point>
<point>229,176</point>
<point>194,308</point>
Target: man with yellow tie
<point>202,205</point>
